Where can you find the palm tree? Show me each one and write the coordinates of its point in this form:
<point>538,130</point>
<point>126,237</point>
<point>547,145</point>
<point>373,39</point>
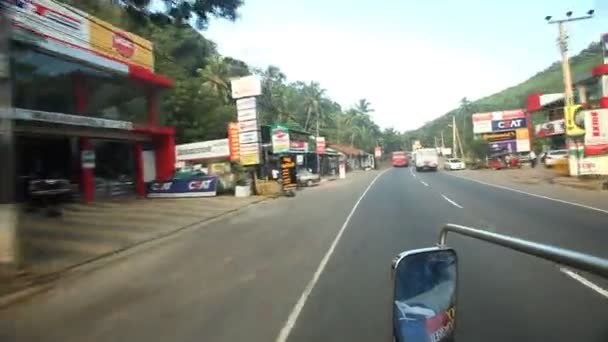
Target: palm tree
<point>363,106</point>
<point>216,77</point>
<point>312,99</point>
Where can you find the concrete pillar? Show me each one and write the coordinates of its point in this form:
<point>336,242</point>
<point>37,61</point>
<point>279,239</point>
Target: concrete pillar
<point>140,186</point>
<point>87,175</point>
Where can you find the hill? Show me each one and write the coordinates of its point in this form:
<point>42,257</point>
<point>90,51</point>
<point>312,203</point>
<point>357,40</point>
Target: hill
<point>548,81</point>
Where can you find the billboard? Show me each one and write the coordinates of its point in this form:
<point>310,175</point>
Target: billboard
<point>280,139</point>
<point>497,121</point>
<point>70,32</point>
<point>547,129</point>
<point>233,141</point>
<point>498,136</point>
<point>203,150</point>
<point>509,145</point>
<point>573,125</point>
<point>320,142</point>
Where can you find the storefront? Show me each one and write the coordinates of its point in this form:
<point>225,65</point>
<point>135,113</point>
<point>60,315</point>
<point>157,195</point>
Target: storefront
<point>86,103</point>
<point>546,112</point>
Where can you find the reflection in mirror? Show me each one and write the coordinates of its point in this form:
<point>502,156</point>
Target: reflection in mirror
<point>424,303</point>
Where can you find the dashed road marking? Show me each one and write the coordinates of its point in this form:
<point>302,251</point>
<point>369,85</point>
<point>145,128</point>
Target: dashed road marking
<point>452,202</point>
<point>424,183</point>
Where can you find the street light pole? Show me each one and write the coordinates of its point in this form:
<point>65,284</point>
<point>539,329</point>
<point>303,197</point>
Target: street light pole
<point>563,47</point>
<point>316,142</point>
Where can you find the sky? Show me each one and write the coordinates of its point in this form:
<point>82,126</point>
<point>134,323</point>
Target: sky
<point>413,60</point>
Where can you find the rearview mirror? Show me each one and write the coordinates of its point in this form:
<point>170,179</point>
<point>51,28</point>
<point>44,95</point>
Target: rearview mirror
<point>424,298</point>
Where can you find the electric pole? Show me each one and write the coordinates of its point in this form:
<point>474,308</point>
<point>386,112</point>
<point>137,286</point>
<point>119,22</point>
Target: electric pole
<point>454,137</point>
<point>316,142</point>
<point>562,41</point>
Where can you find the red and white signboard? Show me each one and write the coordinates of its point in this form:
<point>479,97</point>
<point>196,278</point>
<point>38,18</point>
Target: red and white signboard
<point>551,128</point>
<point>320,145</point>
<point>482,122</point>
<point>596,126</point>
<point>233,141</point>
<point>378,152</point>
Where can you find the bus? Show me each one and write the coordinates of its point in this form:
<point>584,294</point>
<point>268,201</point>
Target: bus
<point>400,159</point>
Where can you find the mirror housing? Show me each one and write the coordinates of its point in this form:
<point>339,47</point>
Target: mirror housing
<point>424,294</point>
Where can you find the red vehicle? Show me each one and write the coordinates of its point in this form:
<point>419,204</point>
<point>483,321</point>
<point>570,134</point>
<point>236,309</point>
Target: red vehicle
<point>400,159</point>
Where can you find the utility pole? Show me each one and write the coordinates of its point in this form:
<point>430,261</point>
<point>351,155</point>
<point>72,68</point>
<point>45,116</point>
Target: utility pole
<point>442,142</point>
<point>454,137</point>
<point>562,41</point>
<point>316,140</point>
<point>9,242</point>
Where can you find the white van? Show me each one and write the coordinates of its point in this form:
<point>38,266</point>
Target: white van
<point>427,159</point>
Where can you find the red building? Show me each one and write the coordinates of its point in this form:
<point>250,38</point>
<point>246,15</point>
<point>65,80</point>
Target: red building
<point>86,101</point>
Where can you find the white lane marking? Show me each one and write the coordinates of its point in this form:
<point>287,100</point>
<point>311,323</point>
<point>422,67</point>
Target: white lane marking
<point>584,281</point>
<point>424,183</point>
<point>297,309</point>
<point>534,195</point>
<point>452,202</point>
<point>412,172</point>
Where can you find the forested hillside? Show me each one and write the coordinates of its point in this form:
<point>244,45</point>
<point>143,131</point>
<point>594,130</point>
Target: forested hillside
<point>548,81</point>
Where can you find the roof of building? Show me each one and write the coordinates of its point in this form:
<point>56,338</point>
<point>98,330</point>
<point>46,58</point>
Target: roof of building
<point>348,150</point>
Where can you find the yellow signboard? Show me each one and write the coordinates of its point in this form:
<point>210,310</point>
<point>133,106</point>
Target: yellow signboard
<point>124,46</point>
<point>522,133</point>
<point>250,158</point>
<point>572,129</point>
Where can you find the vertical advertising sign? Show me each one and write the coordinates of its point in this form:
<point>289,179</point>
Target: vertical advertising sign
<point>605,47</point>
<point>288,172</point>
<point>378,152</point>
<point>244,90</point>
<point>233,141</point>
<point>320,145</point>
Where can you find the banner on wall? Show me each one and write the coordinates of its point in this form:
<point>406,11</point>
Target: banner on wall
<point>509,124</point>
<point>547,129</point>
<point>200,187</point>
<point>298,146</point>
<point>509,145</point>
<point>320,142</point>
<point>596,132</point>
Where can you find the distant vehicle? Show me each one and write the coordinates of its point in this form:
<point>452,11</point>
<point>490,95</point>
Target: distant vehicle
<point>524,157</point>
<point>427,159</point>
<point>400,159</point>
<point>454,164</point>
<point>555,157</point>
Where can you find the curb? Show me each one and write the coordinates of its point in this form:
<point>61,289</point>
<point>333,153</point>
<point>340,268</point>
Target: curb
<point>45,281</point>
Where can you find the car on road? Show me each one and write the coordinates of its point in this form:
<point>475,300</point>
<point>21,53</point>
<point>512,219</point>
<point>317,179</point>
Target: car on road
<point>400,159</point>
<point>307,178</point>
<point>454,164</point>
<point>555,157</point>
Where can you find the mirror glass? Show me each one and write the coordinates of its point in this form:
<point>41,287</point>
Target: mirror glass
<point>424,300</point>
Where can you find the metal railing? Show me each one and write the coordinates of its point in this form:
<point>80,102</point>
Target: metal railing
<point>580,261</point>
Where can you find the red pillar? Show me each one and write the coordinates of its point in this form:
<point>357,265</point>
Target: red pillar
<point>604,102</point>
<point>165,157</point>
<point>87,177</point>
<point>140,186</point>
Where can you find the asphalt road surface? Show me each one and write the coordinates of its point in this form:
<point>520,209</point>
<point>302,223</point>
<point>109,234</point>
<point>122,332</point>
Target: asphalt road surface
<point>311,268</point>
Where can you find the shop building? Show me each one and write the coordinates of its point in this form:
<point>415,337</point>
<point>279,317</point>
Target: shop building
<point>546,111</point>
<point>86,103</point>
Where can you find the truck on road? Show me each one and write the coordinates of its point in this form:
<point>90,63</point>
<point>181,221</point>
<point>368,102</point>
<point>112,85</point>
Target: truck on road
<point>427,159</point>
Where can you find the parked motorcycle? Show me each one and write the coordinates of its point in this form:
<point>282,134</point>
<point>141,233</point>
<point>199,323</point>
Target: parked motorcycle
<point>48,194</point>
<point>425,282</point>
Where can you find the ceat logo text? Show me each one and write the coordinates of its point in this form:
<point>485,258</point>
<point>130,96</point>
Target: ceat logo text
<point>161,186</point>
<point>510,124</point>
<point>123,45</point>
<point>199,185</point>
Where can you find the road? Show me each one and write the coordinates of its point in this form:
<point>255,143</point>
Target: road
<point>311,268</point>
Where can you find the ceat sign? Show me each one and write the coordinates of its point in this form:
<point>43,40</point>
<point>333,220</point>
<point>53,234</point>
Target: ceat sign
<point>199,184</point>
<point>504,125</point>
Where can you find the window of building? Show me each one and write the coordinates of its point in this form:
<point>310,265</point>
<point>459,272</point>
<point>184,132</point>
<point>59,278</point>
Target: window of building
<point>46,82</point>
